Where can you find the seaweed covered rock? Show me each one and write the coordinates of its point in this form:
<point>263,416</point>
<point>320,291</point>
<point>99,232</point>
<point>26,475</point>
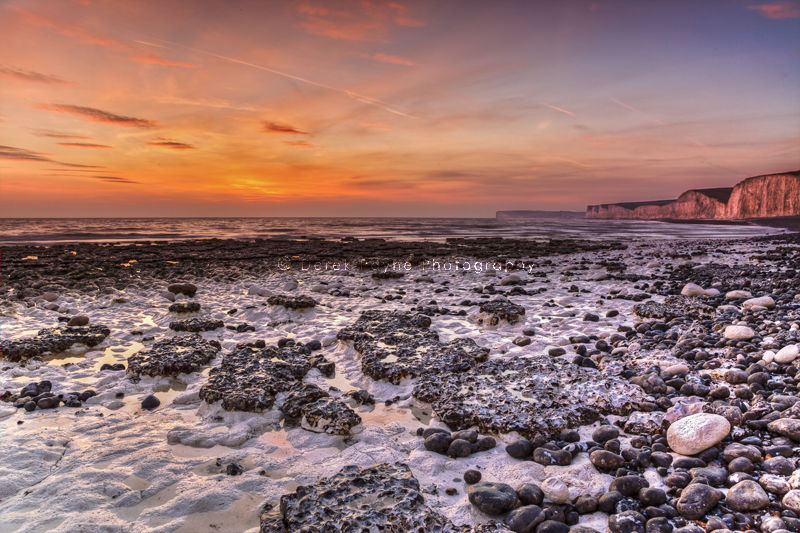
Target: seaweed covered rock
<point>492,313</point>
<point>292,302</point>
<point>184,307</point>
<point>195,325</point>
<point>52,340</point>
<point>317,410</point>
<point>252,374</point>
<point>533,396</point>
<point>396,345</point>
<point>385,497</point>
<point>177,355</point>
<point>675,307</point>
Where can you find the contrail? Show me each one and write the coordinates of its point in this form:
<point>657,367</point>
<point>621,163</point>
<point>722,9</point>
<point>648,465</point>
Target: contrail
<point>356,96</point>
<point>570,113</point>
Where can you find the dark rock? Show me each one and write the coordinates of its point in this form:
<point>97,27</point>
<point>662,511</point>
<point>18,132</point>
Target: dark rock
<point>438,442</point>
<point>52,340</point>
<point>628,485</point>
<point>530,494</point>
<point>524,519</point>
<point>497,310</point>
<point>471,477</point>
<point>398,345</point>
<point>195,325</point>
<point>546,457</point>
<point>520,449</point>
<point>493,498</point>
<point>627,522</point>
<point>605,433</point>
<point>459,448</point>
<point>605,460</point>
<point>173,356</point>
<point>187,289</point>
<point>697,500</point>
<point>184,307</point>
<point>746,496</point>
<point>292,302</point>
<point>150,402</point>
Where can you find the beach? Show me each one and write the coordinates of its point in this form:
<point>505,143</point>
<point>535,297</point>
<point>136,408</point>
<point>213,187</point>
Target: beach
<point>537,342</point>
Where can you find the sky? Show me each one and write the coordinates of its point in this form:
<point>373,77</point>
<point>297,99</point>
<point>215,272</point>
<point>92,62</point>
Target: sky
<point>368,108</point>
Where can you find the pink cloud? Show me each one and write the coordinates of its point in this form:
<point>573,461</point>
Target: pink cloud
<point>779,10</point>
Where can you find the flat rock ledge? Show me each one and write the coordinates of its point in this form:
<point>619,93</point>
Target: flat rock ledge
<point>536,396</point>
<point>249,378</point>
<point>396,345</point>
<point>52,340</point>
<point>316,410</point>
<point>196,325</point>
<point>385,497</point>
<point>177,355</point>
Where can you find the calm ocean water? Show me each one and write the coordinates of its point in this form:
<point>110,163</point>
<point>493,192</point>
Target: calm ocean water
<point>55,230</point>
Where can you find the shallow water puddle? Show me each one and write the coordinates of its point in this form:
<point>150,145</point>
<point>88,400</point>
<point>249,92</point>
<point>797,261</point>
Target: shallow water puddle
<point>239,516</point>
<point>157,499</point>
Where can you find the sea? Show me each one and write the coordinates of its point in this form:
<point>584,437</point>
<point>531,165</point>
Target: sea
<point>556,225</point>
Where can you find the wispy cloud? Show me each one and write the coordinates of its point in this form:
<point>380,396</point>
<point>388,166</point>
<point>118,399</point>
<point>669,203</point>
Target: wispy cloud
<point>276,127</point>
<point>98,115</point>
<point>560,109</point>
<point>84,36</point>
<point>301,144</point>
<point>637,110</point>
<point>170,143</point>
<point>29,75</point>
<point>112,179</point>
<point>359,21</point>
<point>23,154</point>
<point>778,10</point>
<point>60,135</point>
<point>85,145</point>
<point>392,60</point>
<point>354,95</point>
<point>152,59</point>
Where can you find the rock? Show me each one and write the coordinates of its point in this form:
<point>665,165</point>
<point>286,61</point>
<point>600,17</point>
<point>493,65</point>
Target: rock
<point>697,500</point>
<point>184,307</point>
<point>348,498</point>
<point>763,301</point>
<point>627,522</point>
<point>530,494</point>
<point>629,486</point>
<point>182,354</point>
<point>187,289</point>
<point>459,448</point>
<point>520,449</point>
<point>774,484</point>
<point>52,340</point>
<point>746,496</point>
<point>692,289</point>
<point>555,490</point>
<point>605,433</point>
<point>292,302</point>
<point>78,320</point>
<point>48,402</point>
<point>398,345</point>
<point>788,427</point>
<point>605,460</point>
<point>792,500</point>
<point>524,519</point>
<point>552,526</point>
<point>736,450</point>
<point>739,333</point>
<point>585,504</point>
<point>787,354</point>
<point>234,469</point>
<point>522,341</point>
<point>556,352</point>
<point>196,325</point>
<point>471,477</point>
<point>737,295</point>
<point>694,433</point>
<point>150,402</point>
<point>493,499</point>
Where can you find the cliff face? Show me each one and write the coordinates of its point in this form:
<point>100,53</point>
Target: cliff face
<point>773,195</point>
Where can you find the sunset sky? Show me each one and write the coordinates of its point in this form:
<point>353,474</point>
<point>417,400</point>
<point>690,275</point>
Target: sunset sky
<point>367,108</point>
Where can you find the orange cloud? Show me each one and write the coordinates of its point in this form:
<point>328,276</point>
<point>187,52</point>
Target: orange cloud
<point>302,144</point>
<point>275,127</point>
<point>60,135</point>
<point>359,21</point>
<point>169,143</point>
<point>152,59</point>
<point>98,115</point>
<point>394,60</point>
<point>85,145</point>
<point>80,34</point>
<point>29,75</point>
<point>778,11</point>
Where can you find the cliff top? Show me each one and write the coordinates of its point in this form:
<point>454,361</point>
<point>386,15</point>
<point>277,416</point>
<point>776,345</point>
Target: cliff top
<point>722,194</point>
